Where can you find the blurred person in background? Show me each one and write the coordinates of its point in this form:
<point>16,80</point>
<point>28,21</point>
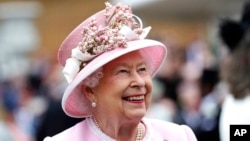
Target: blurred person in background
<point>235,72</point>
<point>189,97</point>
<point>109,66</point>
<point>210,105</point>
<point>10,128</point>
<point>53,120</point>
<point>161,107</point>
<point>198,104</point>
<point>170,74</point>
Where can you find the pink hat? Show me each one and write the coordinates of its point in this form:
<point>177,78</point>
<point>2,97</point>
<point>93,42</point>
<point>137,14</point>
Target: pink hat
<point>98,40</point>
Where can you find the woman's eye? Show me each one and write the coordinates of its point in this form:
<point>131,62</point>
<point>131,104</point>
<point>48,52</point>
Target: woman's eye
<point>123,71</point>
<point>142,70</point>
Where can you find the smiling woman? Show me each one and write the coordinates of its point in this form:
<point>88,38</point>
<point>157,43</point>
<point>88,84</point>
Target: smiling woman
<point>131,90</point>
<point>109,66</point>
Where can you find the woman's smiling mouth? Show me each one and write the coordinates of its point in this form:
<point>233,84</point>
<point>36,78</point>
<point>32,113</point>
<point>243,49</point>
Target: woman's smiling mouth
<point>137,98</point>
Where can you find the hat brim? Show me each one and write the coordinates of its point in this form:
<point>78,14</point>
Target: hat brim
<point>74,102</point>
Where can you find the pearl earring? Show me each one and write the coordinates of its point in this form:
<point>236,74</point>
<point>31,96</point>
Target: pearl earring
<point>93,104</point>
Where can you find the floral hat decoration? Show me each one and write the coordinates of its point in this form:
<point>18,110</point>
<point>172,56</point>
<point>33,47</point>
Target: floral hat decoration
<point>101,38</point>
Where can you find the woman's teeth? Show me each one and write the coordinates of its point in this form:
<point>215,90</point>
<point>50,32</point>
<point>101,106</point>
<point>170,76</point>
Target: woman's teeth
<point>135,98</point>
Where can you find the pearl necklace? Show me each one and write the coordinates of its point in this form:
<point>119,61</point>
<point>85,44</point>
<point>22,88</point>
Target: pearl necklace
<point>139,135</point>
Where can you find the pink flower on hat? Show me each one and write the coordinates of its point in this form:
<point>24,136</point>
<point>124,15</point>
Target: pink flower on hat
<point>120,27</point>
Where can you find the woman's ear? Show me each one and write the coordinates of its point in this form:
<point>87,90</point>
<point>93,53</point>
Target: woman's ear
<point>88,92</point>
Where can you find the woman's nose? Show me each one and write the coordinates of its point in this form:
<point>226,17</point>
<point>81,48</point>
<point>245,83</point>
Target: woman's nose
<point>137,80</point>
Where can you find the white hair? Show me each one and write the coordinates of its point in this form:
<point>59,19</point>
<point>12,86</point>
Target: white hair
<point>93,80</point>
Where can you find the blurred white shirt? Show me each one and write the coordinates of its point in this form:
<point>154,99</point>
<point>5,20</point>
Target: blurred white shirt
<point>234,111</point>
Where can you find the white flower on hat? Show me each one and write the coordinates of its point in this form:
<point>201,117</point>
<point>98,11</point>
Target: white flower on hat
<point>73,64</point>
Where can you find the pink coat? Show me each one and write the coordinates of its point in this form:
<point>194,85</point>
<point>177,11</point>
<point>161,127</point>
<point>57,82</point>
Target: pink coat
<point>156,130</point>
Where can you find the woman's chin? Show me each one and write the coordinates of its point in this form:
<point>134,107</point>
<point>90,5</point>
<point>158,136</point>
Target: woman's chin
<point>136,114</point>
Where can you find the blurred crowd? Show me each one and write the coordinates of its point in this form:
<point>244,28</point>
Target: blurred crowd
<point>31,103</point>
<point>187,90</point>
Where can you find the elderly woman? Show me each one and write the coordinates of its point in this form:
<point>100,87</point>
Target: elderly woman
<point>109,66</point>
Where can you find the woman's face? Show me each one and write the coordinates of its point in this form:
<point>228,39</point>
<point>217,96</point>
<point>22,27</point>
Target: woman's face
<point>125,89</point>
